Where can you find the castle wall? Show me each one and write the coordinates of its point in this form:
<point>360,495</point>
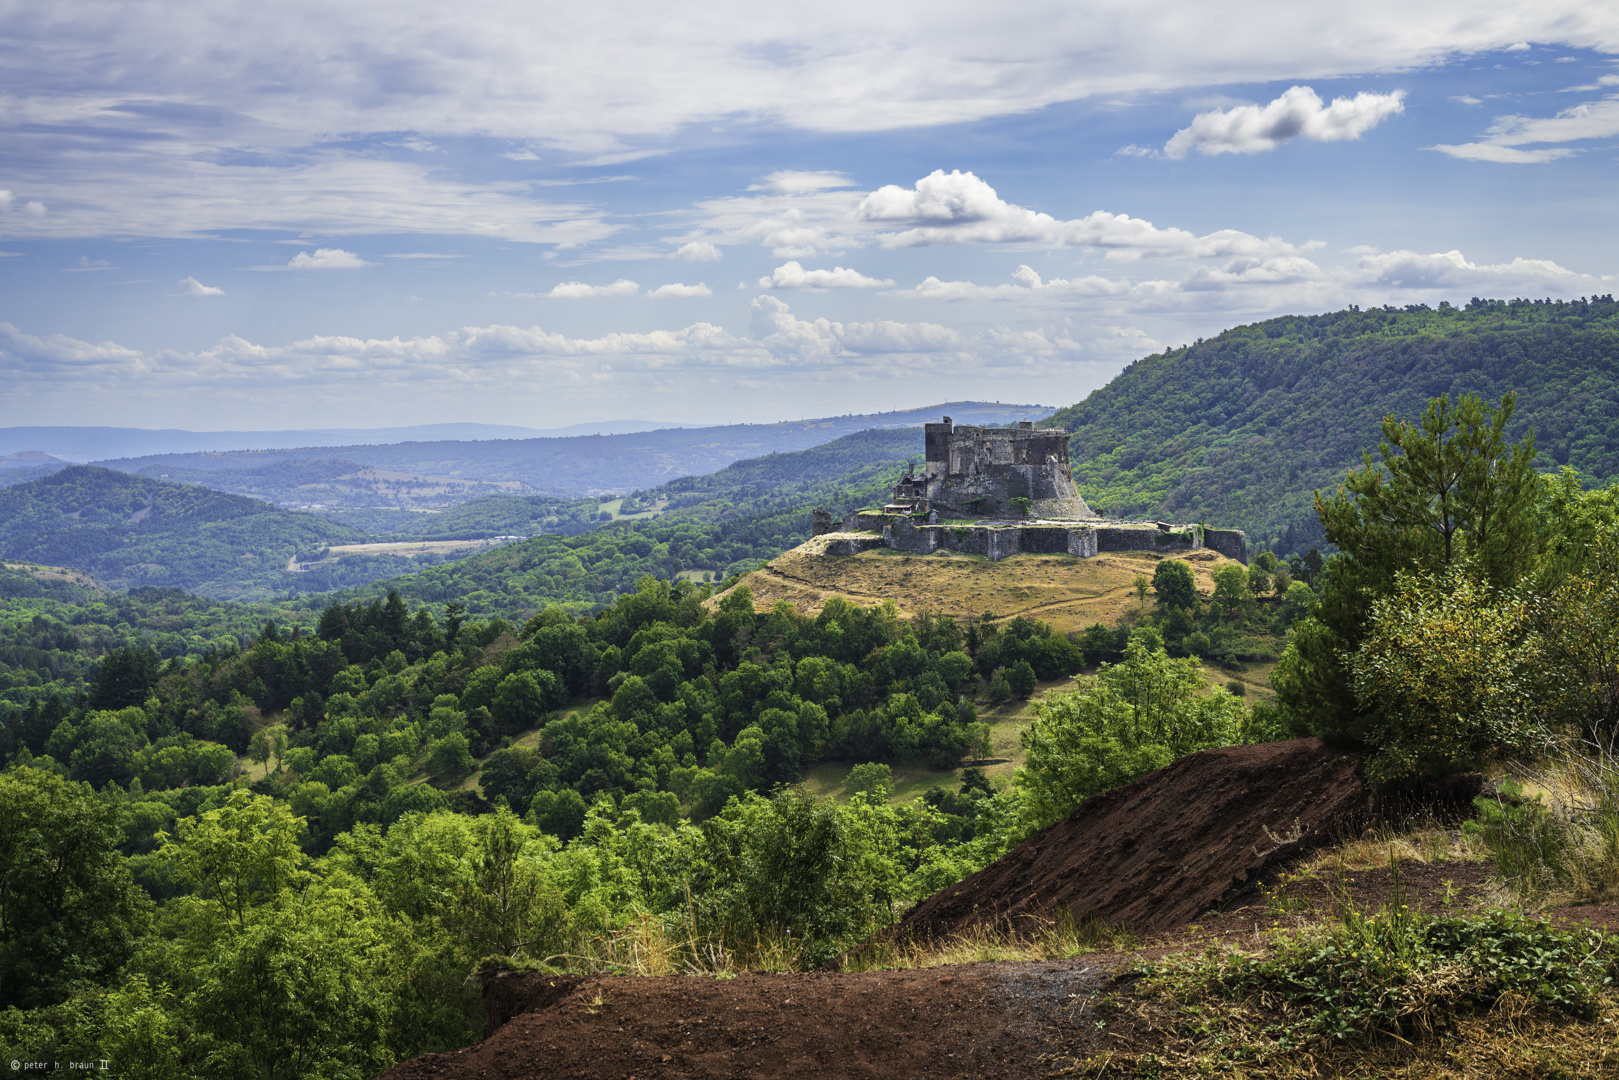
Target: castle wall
<point>1232,543</point>
<point>1142,538</point>
<point>854,545</point>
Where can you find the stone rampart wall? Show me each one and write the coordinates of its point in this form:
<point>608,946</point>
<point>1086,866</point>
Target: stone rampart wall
<point>866,532</point>
<point>1142,538</point>
<point>1232,543</point>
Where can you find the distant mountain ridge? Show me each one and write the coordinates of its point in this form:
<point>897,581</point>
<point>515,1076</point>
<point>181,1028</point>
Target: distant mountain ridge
<point>87,444</point>
<point>590,464</point>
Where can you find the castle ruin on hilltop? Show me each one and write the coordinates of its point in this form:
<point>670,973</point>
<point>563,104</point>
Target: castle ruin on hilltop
<point>1001,491</point>
<point>996,472</point>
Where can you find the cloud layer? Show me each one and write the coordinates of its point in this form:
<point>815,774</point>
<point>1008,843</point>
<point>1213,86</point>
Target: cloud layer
<point>953,207</point>
<point>133,119</point>
<point>1506,139</point>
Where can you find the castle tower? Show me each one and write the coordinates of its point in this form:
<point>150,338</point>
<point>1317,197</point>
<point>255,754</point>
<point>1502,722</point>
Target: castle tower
<point>977,472</point>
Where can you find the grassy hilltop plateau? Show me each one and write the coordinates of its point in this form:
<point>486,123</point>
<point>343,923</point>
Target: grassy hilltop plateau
<point>440,760</point>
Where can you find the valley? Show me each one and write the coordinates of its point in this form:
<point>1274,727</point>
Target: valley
<point>651,780</point>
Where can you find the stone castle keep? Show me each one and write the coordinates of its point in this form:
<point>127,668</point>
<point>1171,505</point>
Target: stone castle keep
<point>979,471</point>
<point>1000,491</point>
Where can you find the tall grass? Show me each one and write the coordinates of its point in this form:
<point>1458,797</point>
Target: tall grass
<point>1554,830</point>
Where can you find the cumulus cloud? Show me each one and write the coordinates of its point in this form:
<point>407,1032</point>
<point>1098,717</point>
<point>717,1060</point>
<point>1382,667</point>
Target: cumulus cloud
<point>196,288</point>
<point>1506,138</point>
<point>698,251</point>
<point>793,276</point>
<point>326,259</point>
<point>26,356</point>
<point>578,290</point>
<point>674,289</point>
<point>959,208</point>
<point>1299,113</point>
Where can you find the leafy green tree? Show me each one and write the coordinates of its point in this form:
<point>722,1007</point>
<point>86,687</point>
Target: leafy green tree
<point>1231,589</point>
<point>126,678</point>
<point>1020,678</point>
<point>1127,720</point>
<point>1449,487</point>
<point>1448,670</point>
<point>872,777</point>
<point>1142,584</point>
<point>450,759</point>
<point>1173,585</point>
<point>522,700</point>
<point>507,907</point>
<point>70,911</point>
<point>1577,621</point>
<point>241,855</point>
<point>301,990</point>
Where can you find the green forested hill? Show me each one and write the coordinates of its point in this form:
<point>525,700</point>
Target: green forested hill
<point>1241,428</point>
<point>131,531</point>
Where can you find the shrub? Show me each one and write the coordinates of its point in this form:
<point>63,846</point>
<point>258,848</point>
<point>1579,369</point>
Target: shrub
<point>1567,844</point>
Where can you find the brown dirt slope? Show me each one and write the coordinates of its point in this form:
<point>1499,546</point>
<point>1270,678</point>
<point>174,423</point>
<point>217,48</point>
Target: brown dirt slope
<point>1159,851</point>
<point>992,1019</point>
<point>1067,592</point>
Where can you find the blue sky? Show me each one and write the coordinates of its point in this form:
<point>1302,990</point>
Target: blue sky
<point>312,214</point>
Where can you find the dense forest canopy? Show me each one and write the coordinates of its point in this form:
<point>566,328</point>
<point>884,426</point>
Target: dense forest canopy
<point>1241,428</point>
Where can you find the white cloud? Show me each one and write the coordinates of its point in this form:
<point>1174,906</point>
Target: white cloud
<point>59,355</point>
<point>196,288</point>
<point>1518,46</point>
<point>1507,136</point>
<point>698,251</point>
<point>959,208</point>
<point>1298,113</point>
<point>793,276</point>
<point>1029,285</point>
<point>32,208</point>
<point>680,291</point>
<point>798,183</point>
<point>1452,270</point>
<point>578,290</point>
<point>326,259</point>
